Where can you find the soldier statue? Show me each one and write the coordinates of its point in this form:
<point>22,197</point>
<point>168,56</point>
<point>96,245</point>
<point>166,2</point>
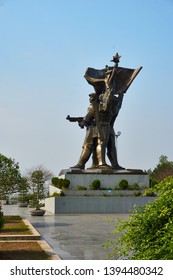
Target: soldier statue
<point>109,84</point>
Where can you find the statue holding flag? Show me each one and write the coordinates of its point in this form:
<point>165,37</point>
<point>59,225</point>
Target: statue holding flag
<point>109,84</point>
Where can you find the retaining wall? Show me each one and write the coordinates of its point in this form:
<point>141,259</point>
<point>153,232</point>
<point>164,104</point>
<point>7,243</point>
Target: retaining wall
<point>93,204</point>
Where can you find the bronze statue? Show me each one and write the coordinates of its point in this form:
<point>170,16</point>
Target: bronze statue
<point>110,84</point>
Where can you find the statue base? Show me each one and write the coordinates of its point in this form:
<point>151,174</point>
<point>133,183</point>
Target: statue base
<point>109,178</point>
<point>101,201</point>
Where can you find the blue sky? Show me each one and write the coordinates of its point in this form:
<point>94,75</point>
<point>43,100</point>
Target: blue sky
<point>46,46</point>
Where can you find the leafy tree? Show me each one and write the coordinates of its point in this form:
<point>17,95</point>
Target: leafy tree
<point>163,169</point>
<point>37,177</point>
<point>23,189</point>
<point>10,176</point>
<point>148,233</point>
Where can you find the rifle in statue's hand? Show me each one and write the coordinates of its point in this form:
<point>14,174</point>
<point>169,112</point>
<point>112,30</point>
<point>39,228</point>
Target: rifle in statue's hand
<point>76,119</point>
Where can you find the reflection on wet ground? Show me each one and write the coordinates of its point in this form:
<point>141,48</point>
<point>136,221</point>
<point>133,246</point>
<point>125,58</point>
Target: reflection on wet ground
<point>74,236</point>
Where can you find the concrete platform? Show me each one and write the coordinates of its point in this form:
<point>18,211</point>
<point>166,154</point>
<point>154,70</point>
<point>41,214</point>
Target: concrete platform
<point>109,178</point>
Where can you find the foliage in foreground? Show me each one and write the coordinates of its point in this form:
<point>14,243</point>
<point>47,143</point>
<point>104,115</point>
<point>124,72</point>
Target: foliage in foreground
<point>148,233</point>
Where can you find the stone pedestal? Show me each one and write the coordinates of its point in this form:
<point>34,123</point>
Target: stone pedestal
<point>98,201</point>
<point>109,178</point>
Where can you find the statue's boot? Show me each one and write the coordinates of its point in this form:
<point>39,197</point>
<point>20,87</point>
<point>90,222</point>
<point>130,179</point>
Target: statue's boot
<point>118,167</point>
<point>84,157</point>
<point>101,153</point>
<point>112,155</point>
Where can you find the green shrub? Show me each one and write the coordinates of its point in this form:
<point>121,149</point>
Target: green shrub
<point>82,188</point>
<point>60,183</point>
<point>147,234</point>
<point>117,188</point>
<point>149,192</point>
<point>55,181</point>
<point>54,194</point>
<point>61,194</point>
<point>135,186</point>
<point>123,184</point>
<point>65,184</point>
<point>153,182</point>
<point>1,218</point>
<point>137,193</point>
<point>95,185</point>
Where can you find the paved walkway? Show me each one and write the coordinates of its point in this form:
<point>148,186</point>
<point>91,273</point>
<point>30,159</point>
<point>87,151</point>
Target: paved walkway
<point>74,236</point>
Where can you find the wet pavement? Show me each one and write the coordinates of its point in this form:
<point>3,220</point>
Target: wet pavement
<point>74,236</point>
